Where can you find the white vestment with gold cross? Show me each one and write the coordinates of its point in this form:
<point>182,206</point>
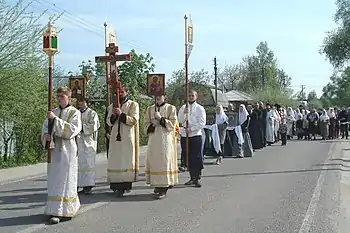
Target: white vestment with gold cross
<point>161,159</point>
<point>123,156</point>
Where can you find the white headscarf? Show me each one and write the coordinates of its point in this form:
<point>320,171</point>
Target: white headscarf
<point>221,116</point>
<point>305,114</point>
<point>243,114</point>
<point>331,113</point>
<point>290,114</point>
<point>298,114</point>
<point>324,117</point>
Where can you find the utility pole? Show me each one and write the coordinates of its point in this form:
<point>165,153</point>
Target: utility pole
<point>216,80</point>
<point>302,93</point>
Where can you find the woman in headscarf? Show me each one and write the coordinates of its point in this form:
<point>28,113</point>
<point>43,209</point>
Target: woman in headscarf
<point>271,118</point>
<point>306,124</point>
<point>222,122</point>
<point>324,124</point>
<point>299,123</point>
<point>332,123</point>
<point>244,121</point>
<point>290,121</point>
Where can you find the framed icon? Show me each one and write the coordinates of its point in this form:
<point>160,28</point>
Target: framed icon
<point>77,86</point>
<point>155,84</point>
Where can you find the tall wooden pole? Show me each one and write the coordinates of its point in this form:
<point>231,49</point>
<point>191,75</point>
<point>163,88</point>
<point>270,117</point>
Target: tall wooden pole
<point>106,67</point>
<point>216,81</point>
<point>50,47</point>
<point>49,107</point>
<point>187,90</point>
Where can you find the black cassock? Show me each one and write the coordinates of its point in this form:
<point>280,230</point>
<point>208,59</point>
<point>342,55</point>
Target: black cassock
<point>255,129</point>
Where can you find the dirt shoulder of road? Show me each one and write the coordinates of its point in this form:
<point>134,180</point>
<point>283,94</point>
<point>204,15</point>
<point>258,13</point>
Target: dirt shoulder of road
<point>15,174</point>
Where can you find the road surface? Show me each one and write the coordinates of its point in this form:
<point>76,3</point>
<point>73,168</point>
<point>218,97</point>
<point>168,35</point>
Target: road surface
<point>280,190</point>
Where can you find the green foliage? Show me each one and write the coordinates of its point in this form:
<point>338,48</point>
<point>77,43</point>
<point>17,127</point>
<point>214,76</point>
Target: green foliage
<point>336,45</point>
<point>337,91</point>
<point>312,96</point>
<point>198,80</point>
<point>134,73</point>
<point>23,89</point>
<point>273,96</point>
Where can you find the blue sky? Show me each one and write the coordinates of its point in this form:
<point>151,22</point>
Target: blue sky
<point>229,30</point>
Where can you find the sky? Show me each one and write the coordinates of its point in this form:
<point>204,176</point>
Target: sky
<point>229,30</point>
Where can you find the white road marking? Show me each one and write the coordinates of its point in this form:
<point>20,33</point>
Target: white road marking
<point>311,210</point>
<point>83,210</point>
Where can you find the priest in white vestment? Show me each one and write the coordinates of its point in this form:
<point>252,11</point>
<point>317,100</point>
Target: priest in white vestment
<point>87,147</point>
<point>271,117</point>
<point>196,117</point>
<point>123,156</point>
<point>161,160</point>
<point>62,172</point>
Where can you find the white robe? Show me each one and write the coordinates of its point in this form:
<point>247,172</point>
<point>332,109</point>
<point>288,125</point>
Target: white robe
<point>62,172</point>
<point>161,160</point>
<point>270,126</point>
<point>123,156</point>
<point>87,147</point>
<point>290,121</point>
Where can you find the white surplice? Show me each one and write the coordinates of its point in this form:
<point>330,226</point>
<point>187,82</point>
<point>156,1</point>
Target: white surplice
<point>123,158</point>
<point>87,148</point>
<point>161,160</point>
<point>62,172</point>
<point>270,126</point>
<point>290,121</point>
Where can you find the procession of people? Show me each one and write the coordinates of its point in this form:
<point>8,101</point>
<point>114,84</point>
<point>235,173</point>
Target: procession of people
<point>73,141</point>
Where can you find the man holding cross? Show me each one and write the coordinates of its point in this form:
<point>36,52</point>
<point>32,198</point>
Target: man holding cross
<point>123,155</point>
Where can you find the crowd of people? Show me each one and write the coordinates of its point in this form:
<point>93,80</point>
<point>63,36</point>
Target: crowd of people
<point>70,133</point>
<point>262,125</point>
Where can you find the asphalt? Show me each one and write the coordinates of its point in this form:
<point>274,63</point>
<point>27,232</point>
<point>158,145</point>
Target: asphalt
<point>280,190</point>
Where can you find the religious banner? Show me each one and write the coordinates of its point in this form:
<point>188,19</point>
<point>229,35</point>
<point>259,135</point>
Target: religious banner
<point>189,41</point>
<point>155,84</point>
<point>77,84</point>
<point>111,35</point>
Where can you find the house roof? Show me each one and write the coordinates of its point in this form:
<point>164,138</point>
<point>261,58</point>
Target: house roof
<point>222,100</point>
<point>234,95</point>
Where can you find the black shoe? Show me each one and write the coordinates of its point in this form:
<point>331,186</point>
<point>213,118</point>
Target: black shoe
<point>197,184</point>
<point>190,182</point>
<point>120,193</point>
<point>161,195</point>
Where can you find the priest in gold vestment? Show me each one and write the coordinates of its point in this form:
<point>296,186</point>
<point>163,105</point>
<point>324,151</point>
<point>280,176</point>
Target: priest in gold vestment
<point>62,172</point>
<point>161,160</point>
<point>123,155</point>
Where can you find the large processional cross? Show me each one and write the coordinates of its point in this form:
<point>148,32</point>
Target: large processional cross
<point>113,81</point>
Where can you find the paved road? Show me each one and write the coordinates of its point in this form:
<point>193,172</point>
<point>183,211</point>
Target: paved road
<point>280,190</point>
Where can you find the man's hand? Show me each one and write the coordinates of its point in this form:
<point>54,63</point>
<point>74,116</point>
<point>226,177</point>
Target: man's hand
<point>108,136</point>
<point>47,137</point>
<point>155,122</point>
<point>157,115</point>
<point>50,115</point>
<point>117,111</point>
<point>187,131</point>
<point>186,110</point>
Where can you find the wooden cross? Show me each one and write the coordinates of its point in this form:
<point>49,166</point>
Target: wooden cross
<point>113,58</point>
